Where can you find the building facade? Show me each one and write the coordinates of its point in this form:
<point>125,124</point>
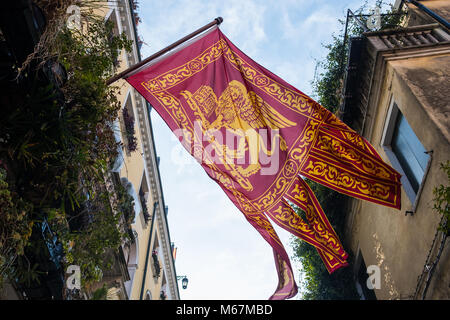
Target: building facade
<point>147,262</point>
<point>397,96</point>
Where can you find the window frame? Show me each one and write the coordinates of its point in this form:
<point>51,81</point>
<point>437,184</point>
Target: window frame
<point>385,143</point>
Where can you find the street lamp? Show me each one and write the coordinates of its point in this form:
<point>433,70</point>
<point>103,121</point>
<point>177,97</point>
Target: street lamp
<point>184,282</point>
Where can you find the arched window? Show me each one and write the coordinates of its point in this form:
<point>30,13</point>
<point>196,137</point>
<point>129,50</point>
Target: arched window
<point>148,295</point>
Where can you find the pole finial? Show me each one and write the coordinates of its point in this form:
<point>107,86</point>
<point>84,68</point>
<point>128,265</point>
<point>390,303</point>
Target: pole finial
<point>219,20</point>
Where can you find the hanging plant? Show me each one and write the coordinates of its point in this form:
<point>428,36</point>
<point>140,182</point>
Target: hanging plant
<point>56,144</point>
<point>129,130</point>
<point>156,264</point>
<point>144,208</point>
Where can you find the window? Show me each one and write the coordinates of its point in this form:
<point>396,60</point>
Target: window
<point>127,126</point>
<point>405,151</point>
<point>155,255</point>
<point>143,196</point>
<point>409,151</point>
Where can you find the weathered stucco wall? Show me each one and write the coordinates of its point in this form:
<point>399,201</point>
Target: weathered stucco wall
<point>441,7</point>
<point>399,244</point>
<point>429,80</point>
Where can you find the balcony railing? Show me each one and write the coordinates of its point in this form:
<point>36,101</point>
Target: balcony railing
<point>416,36</point>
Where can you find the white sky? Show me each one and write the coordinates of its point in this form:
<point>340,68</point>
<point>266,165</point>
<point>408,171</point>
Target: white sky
<point>222,255</point>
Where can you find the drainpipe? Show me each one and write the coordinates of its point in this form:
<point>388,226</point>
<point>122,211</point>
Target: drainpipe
<point>430,12</point>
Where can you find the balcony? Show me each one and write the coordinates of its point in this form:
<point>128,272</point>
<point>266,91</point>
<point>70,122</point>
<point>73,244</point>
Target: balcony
<point>411,37</point>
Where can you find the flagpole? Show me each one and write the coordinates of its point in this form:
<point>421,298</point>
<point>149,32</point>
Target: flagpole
<point>122,74</point>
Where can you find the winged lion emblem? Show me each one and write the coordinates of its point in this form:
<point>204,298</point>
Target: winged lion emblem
<point>244,114</point>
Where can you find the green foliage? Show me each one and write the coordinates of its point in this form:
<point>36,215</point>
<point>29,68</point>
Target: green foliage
<point>442,198</point>
<point>87,247</point>
<point>328,87</point>
<point>100,293</point>
<point>27,273</point>
<point>317,283</point>
<point>92,107</point>
<point>125,203</point>
<point>15,226</point>
<point>129,129</point>
<point>56,146</point>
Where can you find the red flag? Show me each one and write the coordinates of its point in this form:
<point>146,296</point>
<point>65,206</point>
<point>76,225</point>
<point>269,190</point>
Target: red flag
<point>255,134</point>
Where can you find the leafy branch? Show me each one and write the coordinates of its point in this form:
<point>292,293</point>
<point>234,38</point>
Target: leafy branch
<point>442,198</point>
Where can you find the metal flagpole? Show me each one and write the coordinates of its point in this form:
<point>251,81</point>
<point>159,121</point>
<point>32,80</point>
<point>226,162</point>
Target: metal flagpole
<point>122,74</point>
